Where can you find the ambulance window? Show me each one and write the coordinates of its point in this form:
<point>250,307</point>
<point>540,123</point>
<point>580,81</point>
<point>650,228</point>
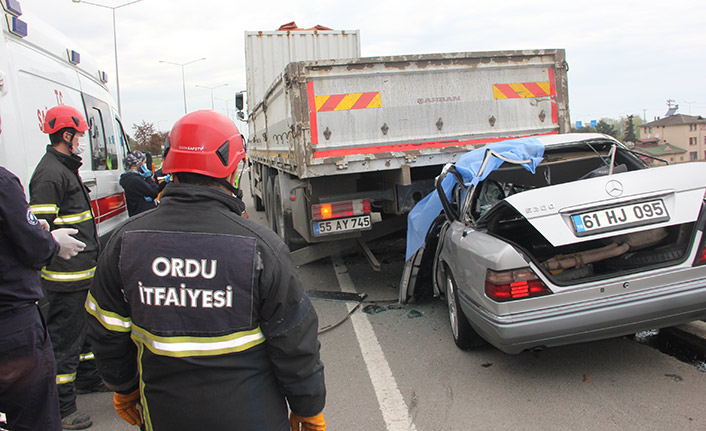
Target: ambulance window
<point>104,153</point>
<point>123,142</point>
<point>101,148</point>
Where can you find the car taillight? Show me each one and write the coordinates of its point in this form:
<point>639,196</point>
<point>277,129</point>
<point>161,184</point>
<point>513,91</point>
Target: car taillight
<point>340,209</point>
<point>512,285</point>
<point>701,257</point>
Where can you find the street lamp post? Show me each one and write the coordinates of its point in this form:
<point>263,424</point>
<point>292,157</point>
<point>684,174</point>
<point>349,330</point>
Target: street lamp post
<point>183,80</point>
<point>211,88</point>
<point>227,101</point>
<point>115,42</point>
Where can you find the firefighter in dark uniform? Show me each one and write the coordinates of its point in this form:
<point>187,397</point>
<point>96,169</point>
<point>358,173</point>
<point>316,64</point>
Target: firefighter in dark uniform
<point>199,315</point>
<point>28,394</point>
<point>58,195</point>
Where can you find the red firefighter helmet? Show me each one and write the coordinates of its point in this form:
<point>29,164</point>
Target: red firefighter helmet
<point>63,116</point>
<point>203,142</point>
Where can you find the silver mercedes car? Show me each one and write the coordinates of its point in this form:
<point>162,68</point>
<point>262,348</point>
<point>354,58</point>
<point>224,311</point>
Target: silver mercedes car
<point>559,239</point>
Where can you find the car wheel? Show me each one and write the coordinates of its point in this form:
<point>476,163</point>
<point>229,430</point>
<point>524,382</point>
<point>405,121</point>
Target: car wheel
<point>464,335</point>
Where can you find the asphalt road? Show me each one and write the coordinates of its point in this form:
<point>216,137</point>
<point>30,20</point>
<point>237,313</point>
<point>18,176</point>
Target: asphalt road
<point>391,367</point>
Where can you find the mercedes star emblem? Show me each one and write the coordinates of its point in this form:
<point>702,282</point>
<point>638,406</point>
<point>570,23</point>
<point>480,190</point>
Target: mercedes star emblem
<point>614,188</point>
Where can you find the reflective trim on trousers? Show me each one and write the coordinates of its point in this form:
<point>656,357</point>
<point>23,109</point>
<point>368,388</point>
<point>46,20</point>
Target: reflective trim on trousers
<point>86,356</point>
<point>65,378</point>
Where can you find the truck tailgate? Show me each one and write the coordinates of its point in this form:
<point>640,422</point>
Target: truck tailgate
<point>423,103</point>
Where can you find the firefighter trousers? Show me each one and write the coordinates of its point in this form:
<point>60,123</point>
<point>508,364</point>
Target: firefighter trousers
<point>28,394</point>
<point>66,320</point>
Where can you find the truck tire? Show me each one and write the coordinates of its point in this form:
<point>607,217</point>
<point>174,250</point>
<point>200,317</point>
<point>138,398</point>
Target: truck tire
<point>259,205</point>
<point>269,203</point>
<point>282,222</point>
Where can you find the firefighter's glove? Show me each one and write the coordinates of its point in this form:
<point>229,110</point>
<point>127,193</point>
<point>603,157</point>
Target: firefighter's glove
<point>68,245</point>
<point>127,407</point>
<point>313,423</point>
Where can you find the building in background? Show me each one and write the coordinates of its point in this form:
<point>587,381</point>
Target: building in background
<point>676,137</point>
<point>670,153</point>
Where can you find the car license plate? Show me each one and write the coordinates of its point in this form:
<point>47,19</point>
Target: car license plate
<point>620,217</point>
<point>326,227</point>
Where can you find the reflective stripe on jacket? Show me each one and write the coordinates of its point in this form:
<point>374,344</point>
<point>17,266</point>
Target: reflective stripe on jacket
<point>212,324</point>
<point>58,195</point>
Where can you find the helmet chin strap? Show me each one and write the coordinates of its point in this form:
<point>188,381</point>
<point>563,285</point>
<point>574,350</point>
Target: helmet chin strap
<point>69,142</point>
<point>235,191</point>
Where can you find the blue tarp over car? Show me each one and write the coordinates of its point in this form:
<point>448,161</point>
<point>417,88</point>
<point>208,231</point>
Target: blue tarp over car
<point>425,211</point>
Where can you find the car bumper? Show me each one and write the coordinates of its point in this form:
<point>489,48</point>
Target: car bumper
<point>592,320</point>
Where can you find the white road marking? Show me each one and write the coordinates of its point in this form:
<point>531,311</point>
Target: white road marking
<point>392,405</point>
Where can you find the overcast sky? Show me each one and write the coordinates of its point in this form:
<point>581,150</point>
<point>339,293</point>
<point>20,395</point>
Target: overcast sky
<point>625,57</point>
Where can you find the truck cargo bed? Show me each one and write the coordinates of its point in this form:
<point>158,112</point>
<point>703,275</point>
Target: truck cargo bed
<point>331,117</point>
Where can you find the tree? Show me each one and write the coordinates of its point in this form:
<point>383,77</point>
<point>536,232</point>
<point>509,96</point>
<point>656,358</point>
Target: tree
<point>625,129</point>
<point>629,130</point>
<point>584,129</point>
<point>147,139</point>
<point>606,128</point>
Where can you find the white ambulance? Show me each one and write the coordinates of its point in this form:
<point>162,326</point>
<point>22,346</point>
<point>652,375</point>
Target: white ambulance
<point>41,68</point>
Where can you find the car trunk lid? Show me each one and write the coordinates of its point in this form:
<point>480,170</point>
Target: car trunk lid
<point>624,203</point>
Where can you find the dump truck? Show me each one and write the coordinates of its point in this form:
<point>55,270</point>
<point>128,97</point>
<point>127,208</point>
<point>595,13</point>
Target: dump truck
<point>342,147</point>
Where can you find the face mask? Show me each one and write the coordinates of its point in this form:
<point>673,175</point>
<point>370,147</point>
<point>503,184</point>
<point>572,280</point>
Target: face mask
<point>78,149</point>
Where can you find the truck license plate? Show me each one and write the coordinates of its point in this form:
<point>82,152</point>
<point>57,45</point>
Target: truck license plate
<point>341,225</point>
<point>630,215</point>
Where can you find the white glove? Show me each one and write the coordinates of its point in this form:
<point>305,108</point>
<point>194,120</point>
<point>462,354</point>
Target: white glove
<point>44,224</point>
<point>69,246</point>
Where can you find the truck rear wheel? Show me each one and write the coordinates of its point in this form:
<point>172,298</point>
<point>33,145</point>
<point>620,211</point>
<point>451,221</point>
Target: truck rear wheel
<point>270,203</point>
<point>282,223</point>
<point>259,205</point>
